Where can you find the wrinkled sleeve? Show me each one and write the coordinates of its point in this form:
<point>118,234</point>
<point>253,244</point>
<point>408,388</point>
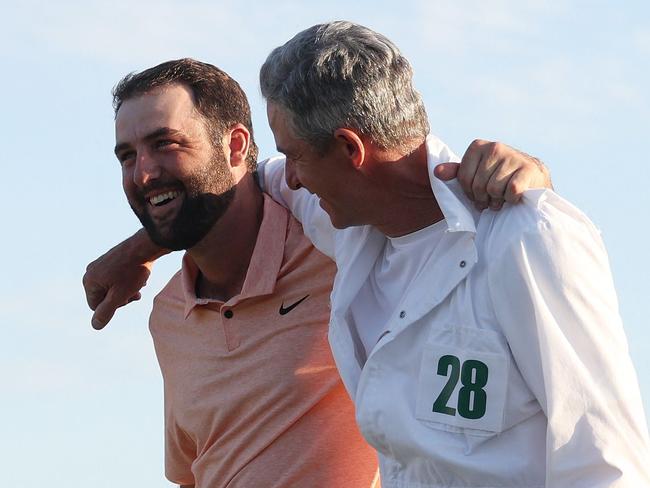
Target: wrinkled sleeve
<point>552,292</point>
<point>303,205</point>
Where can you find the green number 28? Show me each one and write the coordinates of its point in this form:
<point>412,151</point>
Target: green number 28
<point>472,399</point>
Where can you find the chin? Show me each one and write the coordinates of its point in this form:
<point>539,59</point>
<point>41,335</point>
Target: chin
<point>340,223</point>
<point>347,225</point>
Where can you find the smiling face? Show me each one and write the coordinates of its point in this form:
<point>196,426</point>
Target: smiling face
<point>176,180</point>
<point>332,175</point>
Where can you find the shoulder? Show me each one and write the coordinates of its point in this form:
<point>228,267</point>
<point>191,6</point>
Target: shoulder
<point>169,302</point>
<point>542,214</point>
<point>173,289</point>
<point>305,272</point>
<point>268,169</point>
<point>300,255</point>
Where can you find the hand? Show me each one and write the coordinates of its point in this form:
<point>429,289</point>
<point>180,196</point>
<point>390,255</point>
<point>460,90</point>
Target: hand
<point>115,278</point>
<point>492,172</point>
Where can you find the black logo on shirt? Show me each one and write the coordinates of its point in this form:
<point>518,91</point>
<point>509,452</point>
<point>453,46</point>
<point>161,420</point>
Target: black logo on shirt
<point>284,311</point>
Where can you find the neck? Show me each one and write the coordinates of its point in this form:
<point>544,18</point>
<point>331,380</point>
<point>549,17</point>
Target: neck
<point>406,203</point>
<point>224,254</point>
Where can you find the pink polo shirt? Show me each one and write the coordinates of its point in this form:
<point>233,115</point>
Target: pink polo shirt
<point>252,395</point>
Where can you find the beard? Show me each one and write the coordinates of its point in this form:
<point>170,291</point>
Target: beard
<point>206,194</point>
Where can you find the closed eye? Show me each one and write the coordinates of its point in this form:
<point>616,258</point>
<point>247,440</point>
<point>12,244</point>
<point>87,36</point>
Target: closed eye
<point>125,157</point>
<point>166,143</point>
<point>288,154</point>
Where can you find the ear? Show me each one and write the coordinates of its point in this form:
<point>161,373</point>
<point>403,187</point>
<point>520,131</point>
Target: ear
<point>238,142</point>
<point>352,146</point>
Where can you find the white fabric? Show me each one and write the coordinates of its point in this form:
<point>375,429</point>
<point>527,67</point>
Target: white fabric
<point>378,297</point>
<point>525,294</point>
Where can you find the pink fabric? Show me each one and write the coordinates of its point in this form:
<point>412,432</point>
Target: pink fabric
<point>255,400</point>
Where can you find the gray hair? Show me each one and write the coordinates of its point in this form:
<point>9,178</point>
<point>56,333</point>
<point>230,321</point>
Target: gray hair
<point>342,74</point>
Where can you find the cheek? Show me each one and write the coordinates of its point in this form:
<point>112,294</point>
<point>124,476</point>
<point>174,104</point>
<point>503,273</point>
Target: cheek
<point>127,177</point>
<point>289,167</point>
<point>128,185</point>
<point>307,173</point>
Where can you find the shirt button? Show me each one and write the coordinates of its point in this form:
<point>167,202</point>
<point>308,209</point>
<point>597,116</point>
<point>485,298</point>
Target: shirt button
<point>402,314</point>
<point>228,314</point>
<point>462,264</point>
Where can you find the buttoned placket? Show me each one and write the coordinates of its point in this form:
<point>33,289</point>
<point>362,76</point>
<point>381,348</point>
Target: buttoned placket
<point>260,277</point>
<point>225,319</point>
<point>421,298</point>
<point>229,325</point>
<point>370,388</point>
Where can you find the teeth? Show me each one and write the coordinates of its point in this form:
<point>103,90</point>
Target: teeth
<point>170,195</point>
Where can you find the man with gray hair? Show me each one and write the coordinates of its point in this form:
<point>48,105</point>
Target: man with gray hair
<point>481,349</point>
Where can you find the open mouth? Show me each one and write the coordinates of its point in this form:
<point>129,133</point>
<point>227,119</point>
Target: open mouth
<point>163,199</point>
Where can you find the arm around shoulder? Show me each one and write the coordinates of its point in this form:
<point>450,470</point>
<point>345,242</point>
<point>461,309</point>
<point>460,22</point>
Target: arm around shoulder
<point>304,206</point>
<point>115,278</point>
<point>491,173</point>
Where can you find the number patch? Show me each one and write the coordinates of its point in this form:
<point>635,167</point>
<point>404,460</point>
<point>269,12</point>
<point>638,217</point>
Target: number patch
<point>462,388</point>
<point>472,399</point>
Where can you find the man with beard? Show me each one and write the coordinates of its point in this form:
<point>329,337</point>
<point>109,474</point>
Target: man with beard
<point>241,331</point>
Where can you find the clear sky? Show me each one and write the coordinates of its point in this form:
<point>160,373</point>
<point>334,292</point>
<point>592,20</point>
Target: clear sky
<point>565,81</point>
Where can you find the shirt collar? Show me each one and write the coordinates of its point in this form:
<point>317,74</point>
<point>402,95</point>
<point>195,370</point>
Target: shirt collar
<point>452,201</point>
<point>264,265</point>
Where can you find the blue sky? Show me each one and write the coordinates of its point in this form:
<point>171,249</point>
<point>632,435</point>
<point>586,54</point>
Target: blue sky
<point>567,83</point>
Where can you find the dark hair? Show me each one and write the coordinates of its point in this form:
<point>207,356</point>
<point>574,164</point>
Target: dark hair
<point>217,97</point>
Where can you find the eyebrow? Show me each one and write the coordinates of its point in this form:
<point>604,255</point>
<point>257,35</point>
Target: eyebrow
<point>162,131</point>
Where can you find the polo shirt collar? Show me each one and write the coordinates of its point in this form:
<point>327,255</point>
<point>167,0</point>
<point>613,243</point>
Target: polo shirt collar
<point>264,265</point>
<point>452,201</point>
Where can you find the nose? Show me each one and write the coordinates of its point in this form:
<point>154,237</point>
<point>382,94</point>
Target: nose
<point>145,170</point>
<point>290,174</point>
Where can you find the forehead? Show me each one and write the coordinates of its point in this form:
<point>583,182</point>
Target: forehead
<point>170,106</point>
<point>283,133</point>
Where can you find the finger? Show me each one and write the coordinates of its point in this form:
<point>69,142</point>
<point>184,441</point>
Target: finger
<point>486,183</point>
<point>495,203</point>
<point>468,166</point>
<point>100,319</point>
<point>517,184</point>
<point>135,297</point>
<point>105,311</point>
<point>95,294</point>
<point>480,205</point>
<point>481,179</point>
<point>497,185</point>
<point>446,171</point>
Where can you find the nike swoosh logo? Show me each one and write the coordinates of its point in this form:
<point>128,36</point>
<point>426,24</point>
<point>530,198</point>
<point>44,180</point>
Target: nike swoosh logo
<point>284,311</point>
